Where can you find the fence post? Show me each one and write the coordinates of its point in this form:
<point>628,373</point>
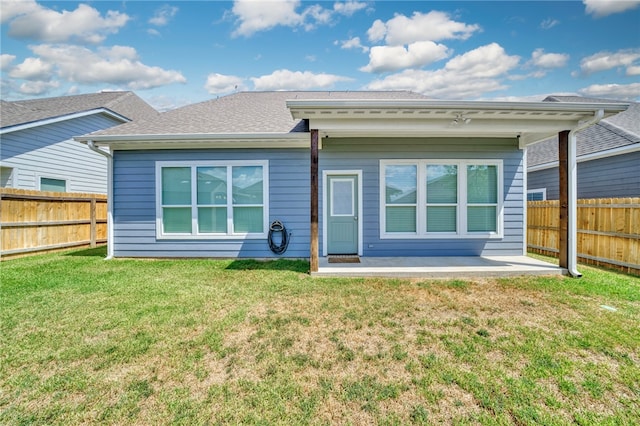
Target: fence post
<point>94,230</point>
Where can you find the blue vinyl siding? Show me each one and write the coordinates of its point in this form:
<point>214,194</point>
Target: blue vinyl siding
<point>49,151</point>
<point>135,209</point>
<point>609,177</point>
<point>289,197</point>
<point>365,154</point>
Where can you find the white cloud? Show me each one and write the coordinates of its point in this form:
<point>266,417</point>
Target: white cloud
<point>84,24</point>
<point>260,16</point>
<point>549,23</point>
<point>218,84</point>
<point>318,14</point>
<point>377,31</point>
<point>487,61</point>
<point>118,65</point>
<point>633,70</point>
<point>254,16</point>
<point>34,69</point>
<point>354,43</point>
<point>603,61</point>
<point>349,7</point>
<point>153,32</point>
<point>433,26</point>
<point>163,15</point>
<point>600,8</point>
<point>36,88</point>
<point>548,60</point>
<point>466,76</point>
<point>12,8</point>
<point>393,58</point>
<point>630,92</point>
<point>296,80</point>
<point>5,61</point>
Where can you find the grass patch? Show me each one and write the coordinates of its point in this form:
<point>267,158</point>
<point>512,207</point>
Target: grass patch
<point>85,340</point>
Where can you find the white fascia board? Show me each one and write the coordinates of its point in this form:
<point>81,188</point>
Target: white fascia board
<point>199,140</point>
<point>627,149</point>
<point>58,119</point>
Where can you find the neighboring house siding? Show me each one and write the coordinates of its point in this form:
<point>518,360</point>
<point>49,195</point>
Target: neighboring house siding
<point>48,151</point>
<point>135,208</point>
<point>617,176</point>
<point>289,198</point>
<point>365,154</point>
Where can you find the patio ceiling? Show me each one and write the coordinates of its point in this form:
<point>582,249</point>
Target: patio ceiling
<point>531,122</point>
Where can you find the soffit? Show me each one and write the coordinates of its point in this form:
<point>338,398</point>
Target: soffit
<point>531,121</point>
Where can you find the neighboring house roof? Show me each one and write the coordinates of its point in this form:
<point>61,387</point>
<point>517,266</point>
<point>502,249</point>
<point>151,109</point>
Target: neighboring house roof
<point>244,112</point>
<point>612,133</point>
<point>126,104</point>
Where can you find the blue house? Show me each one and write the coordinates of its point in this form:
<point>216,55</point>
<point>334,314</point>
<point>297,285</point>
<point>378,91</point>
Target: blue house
<point>372,174</point>
<point>608,154</point>
<point>38,151</point>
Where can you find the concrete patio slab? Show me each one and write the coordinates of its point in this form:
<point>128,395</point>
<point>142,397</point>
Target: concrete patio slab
<point>439,267</point>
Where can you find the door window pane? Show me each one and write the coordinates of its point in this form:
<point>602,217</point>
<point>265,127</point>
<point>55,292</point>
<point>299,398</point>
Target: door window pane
<point>176,186</point>
<point>341,197</point>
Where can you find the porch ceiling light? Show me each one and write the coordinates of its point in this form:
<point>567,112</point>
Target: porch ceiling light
<point>460,120</point>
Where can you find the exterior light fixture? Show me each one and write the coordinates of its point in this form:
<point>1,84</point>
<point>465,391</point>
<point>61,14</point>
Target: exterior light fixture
<point>460,119</point>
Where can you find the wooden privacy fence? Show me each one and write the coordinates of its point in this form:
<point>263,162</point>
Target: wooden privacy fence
<point>33,221</point>
<point>608,231</point>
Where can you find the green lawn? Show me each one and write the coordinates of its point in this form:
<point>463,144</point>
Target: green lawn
<point>84,340</point>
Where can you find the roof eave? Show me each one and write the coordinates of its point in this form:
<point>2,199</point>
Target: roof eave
<point>65,117</point>
<point>299,106</point>
<point>198,140</point>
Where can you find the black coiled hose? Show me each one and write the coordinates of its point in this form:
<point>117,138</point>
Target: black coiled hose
<point>277,227</point>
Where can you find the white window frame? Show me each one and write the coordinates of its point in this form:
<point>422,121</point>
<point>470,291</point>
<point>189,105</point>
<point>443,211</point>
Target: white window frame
<point>195,234</point>
<point>39,178</point>
<point>542,190</point>
<point>461,208</point>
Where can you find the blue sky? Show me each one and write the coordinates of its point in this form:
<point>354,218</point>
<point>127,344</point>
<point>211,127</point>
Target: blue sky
<point>178,52</point>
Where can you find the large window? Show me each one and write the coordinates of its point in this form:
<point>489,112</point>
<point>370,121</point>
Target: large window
<point>448,198</point>
<point>212,199</point>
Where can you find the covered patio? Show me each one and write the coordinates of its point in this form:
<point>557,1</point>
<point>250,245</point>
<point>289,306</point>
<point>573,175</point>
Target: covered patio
<point>526,122</point>
<point>435,267</point>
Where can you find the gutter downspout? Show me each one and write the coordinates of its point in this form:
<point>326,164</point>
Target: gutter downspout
<point>93,147</point>
<point>572,261</point>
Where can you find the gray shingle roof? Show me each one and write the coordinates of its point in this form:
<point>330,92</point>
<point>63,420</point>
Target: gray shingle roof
<point>244,112</point>
<point>127,104</point>
<point>620,130</point>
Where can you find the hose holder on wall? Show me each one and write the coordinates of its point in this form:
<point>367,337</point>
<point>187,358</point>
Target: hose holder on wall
<point>278,228</point>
